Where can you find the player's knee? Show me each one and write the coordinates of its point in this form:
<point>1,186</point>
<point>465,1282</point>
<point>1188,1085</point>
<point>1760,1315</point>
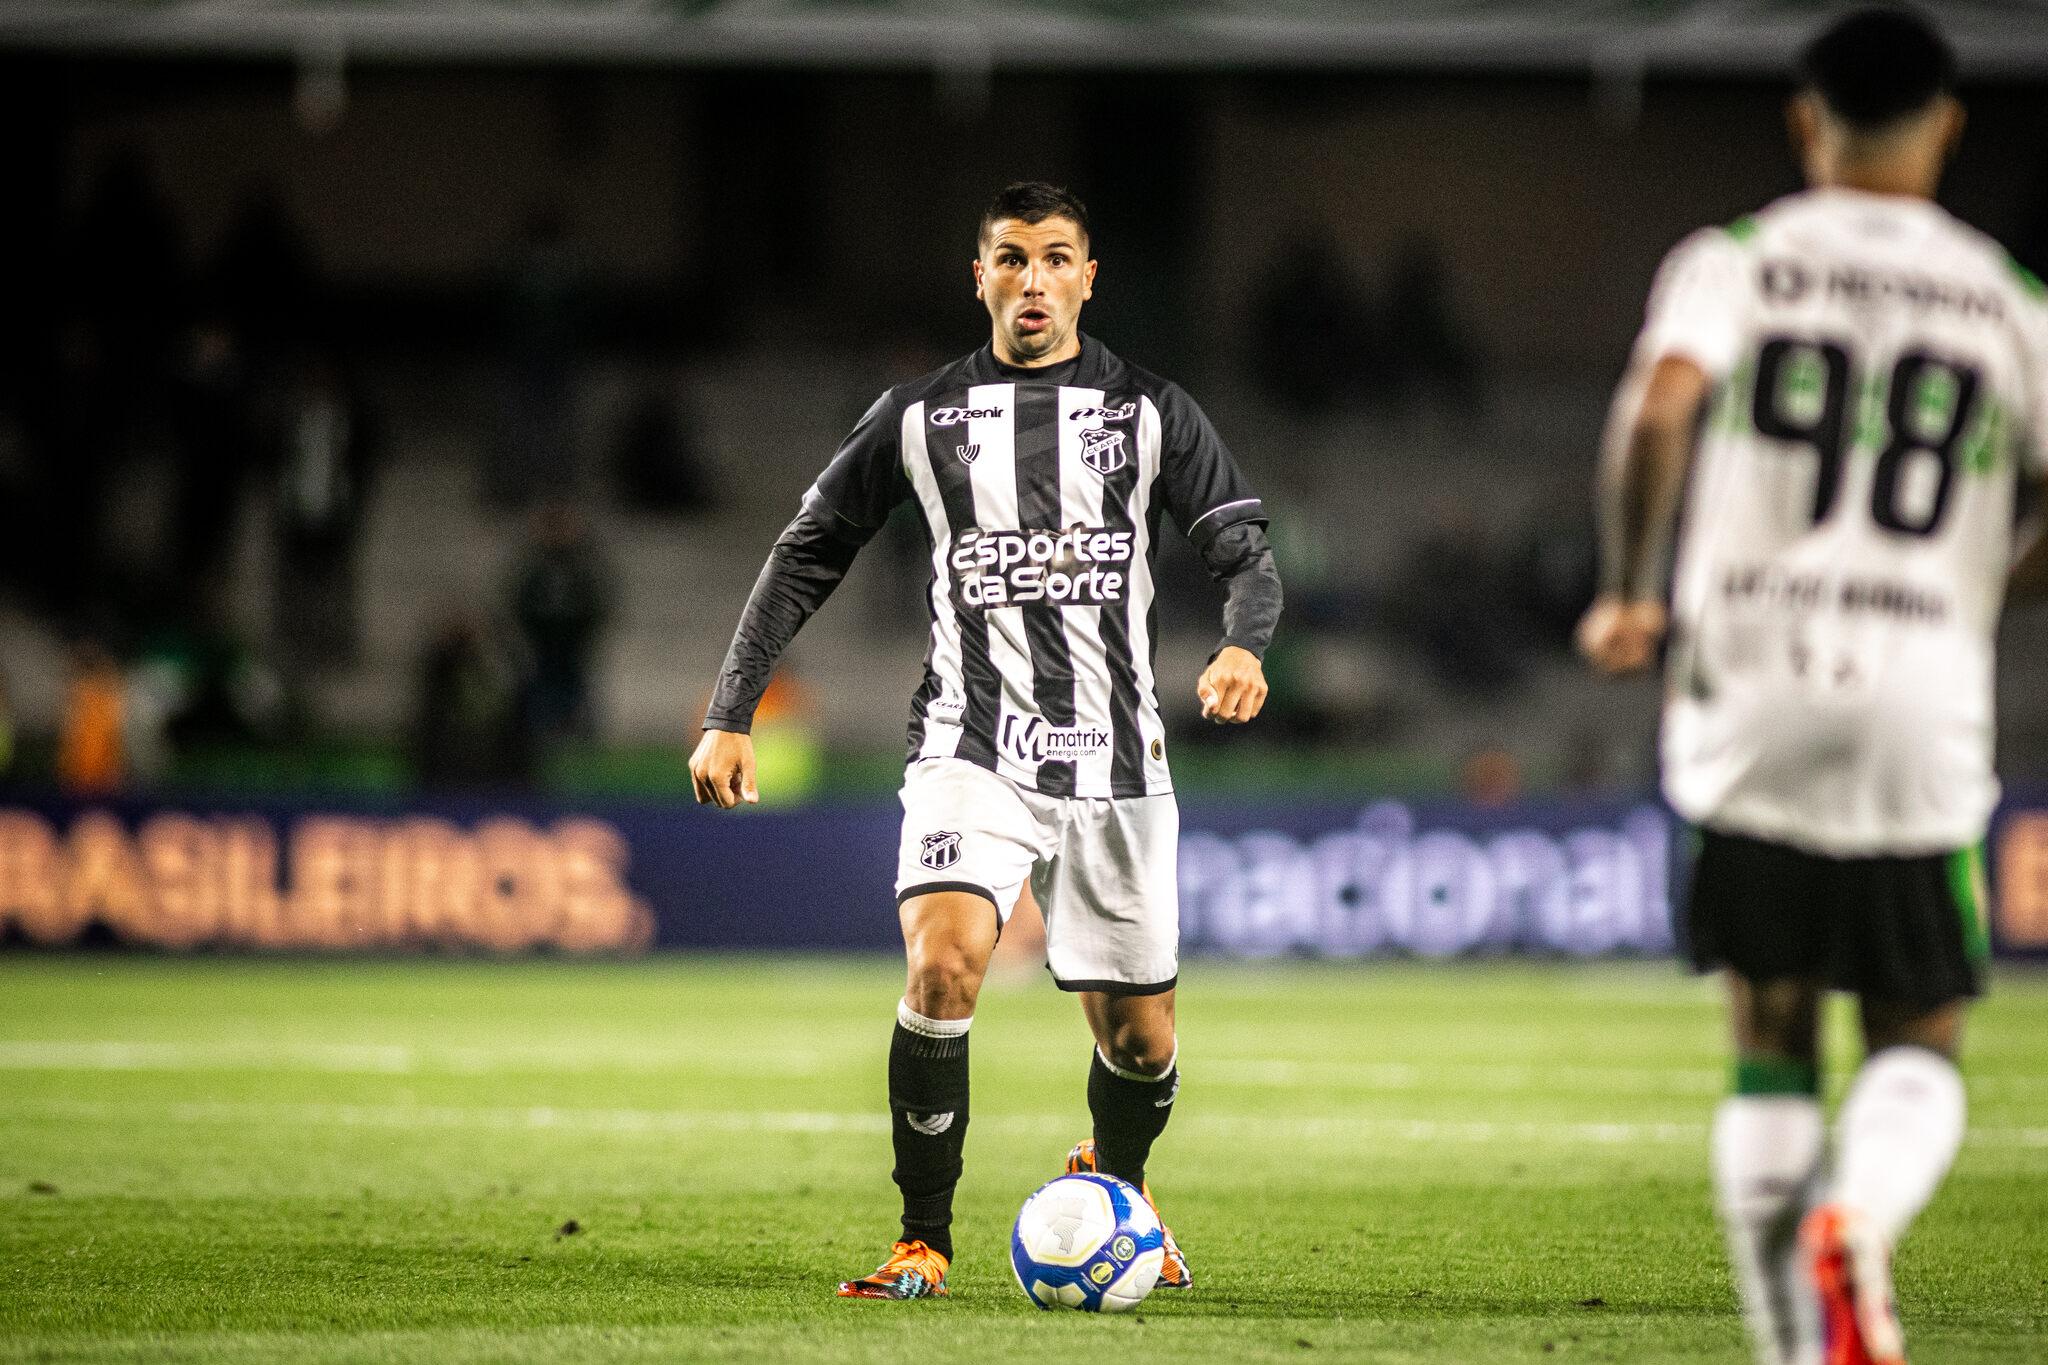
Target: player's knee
<point>1895,1024</point>
<point>1145,1047</point>
<point>944,982</point>
<point>1779,1037</point>
<point>1778,1018</point>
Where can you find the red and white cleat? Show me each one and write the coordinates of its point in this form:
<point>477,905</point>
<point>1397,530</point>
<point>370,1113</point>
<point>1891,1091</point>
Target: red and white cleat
<point>1851,1269</point>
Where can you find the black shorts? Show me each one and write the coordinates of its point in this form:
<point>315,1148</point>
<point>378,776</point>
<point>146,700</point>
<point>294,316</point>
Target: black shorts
<point>1905,929</point>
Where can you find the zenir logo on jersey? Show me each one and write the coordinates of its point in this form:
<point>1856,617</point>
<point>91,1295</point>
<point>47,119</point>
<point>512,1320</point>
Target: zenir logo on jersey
<point>968,454</point>
<point>940,851</point>
<point>952,417</point>
<point>1103,451</point>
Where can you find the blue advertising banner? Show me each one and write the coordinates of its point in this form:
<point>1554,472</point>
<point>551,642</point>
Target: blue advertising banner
<point>1324,879</point>
<point>1434,881</point>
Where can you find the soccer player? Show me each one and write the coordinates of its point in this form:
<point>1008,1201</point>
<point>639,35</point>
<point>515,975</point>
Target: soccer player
<point>1861,380</point>
<point>1040,465</point>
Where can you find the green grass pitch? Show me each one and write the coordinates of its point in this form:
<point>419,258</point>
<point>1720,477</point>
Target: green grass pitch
<point>250,1160</point>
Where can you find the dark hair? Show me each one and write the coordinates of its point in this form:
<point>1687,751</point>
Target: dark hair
<point>1878,65</point>
<point>1032,201</point>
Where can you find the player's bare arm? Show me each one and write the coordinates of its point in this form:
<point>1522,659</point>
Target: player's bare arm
<point>722,770</point>
<point>1648,453</point>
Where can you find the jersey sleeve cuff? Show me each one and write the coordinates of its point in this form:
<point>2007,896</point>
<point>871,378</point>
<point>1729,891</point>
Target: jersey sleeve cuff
<point>738,725</point>
<point>1219,518</point>
<point>1715,360</point>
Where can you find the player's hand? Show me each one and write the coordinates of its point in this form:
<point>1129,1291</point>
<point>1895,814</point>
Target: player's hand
<point>722,770</point>
<point>1233,687</point>
<point>1620,636</point>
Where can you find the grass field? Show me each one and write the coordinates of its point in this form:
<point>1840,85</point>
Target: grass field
<point>236,1160</point>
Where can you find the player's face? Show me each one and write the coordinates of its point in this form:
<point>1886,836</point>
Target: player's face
<point>1034,277</point>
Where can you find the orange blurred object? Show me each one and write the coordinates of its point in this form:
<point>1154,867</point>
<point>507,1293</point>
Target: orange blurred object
<point>1491,778</point>
<point>90,754</point>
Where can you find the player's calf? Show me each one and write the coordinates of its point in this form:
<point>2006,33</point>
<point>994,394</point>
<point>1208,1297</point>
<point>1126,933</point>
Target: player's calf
<point>1130,1109</point>
<point>1766,1146</point>
<point>1132,1076</point>
<point>928,1114</point>
<point>1133,1081</point>
<point>1897,1135</point>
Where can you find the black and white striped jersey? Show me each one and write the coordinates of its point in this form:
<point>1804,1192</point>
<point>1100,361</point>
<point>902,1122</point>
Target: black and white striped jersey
<point>1041,492</point>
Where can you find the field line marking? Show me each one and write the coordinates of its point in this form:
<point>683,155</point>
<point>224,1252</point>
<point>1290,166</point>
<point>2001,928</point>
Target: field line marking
<point>383,1059</point>
<point>547,1117</point>
<point>402,1059</point>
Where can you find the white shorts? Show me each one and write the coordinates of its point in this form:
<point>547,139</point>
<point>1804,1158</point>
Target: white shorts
<point>1105,871</point>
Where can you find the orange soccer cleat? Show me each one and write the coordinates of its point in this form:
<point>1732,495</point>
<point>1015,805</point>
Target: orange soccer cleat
<point>913,1271</point>
<point>1173,1271</point>
<point>1851,1269</point>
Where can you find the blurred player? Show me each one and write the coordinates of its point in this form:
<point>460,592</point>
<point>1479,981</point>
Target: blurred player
<point>1040,465</point>
<point>1863,379</point>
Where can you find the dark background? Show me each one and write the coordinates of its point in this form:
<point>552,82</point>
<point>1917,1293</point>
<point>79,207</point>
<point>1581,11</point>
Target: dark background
<point>596,308</point>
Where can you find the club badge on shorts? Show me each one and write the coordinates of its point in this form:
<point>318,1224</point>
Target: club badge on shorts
<point>940,850</point>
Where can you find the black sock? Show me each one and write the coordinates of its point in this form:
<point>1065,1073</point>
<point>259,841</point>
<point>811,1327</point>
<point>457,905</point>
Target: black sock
<point>928,1124</point>
<point>1129,1116</point>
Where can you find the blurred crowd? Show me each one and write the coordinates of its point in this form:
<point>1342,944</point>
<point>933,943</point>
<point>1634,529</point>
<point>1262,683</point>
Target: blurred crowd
<point>204,426</point>
<point>202,420</point>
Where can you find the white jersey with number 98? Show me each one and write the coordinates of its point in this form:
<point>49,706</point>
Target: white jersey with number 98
<point>1882,382</point>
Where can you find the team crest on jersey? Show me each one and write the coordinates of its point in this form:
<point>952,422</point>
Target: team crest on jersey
<point>940,851</point>
<point>968,454</point>
<point>1103,451</point>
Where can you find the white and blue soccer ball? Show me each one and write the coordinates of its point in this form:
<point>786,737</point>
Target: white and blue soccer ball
<point>1089,1242</point>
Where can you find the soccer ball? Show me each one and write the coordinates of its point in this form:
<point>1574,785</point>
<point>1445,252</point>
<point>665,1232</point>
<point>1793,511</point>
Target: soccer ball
<point>1089,1242</point>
